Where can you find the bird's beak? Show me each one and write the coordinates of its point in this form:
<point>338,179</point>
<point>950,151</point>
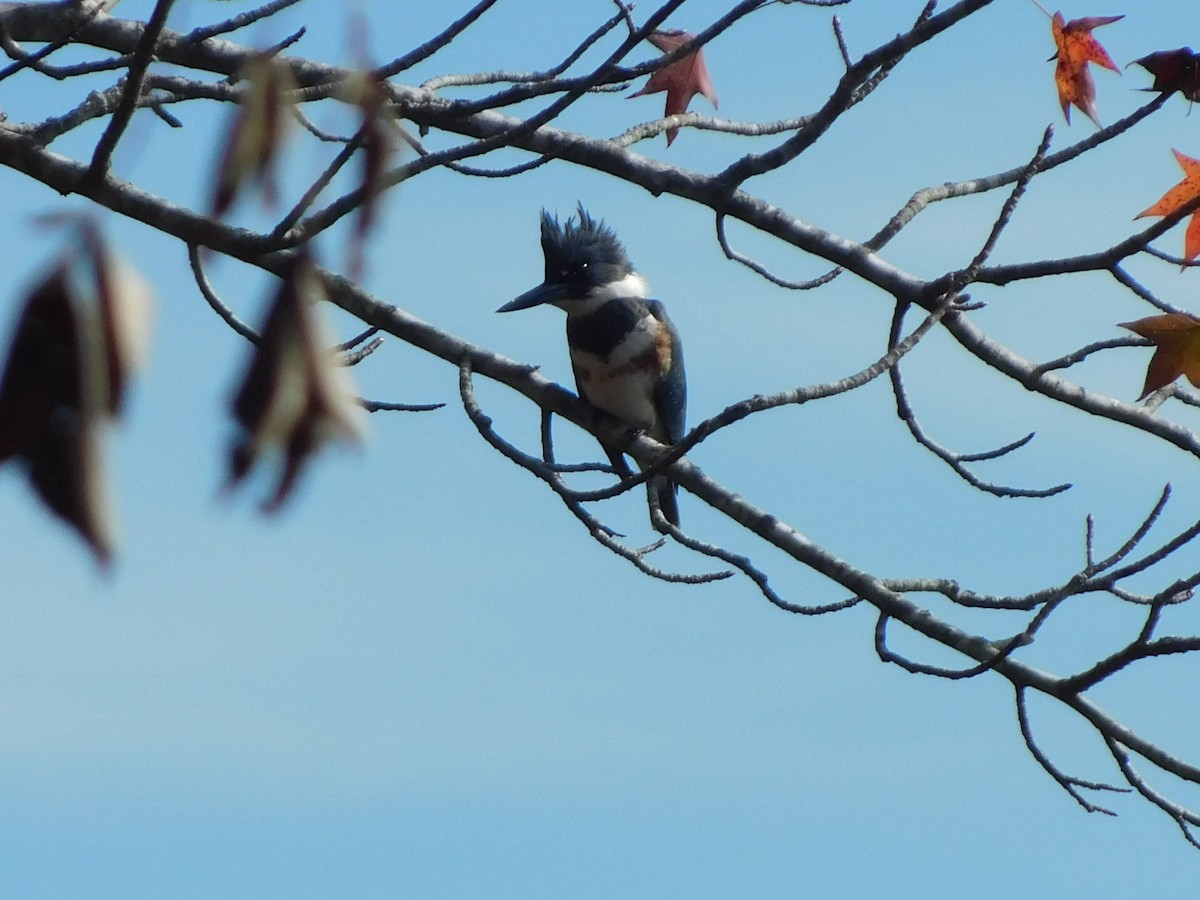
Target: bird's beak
<point>543,293</point>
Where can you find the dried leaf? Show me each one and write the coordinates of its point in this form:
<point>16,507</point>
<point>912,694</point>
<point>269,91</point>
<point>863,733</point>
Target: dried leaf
<point>81,334</point>
<point>1176,338</point>
<point>296,395</point>
<point>1174,70</point>
<point>682,79</point>
<point>257,134</point>
<point>378,138</point>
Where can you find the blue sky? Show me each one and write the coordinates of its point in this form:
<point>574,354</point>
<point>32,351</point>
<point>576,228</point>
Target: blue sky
<point>424,680</point>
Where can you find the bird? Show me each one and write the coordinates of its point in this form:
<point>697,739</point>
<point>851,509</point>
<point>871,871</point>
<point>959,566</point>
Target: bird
<point>625,352</point>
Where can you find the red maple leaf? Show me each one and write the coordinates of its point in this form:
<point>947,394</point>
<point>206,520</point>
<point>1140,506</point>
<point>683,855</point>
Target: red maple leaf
<point>682,79</point>
<point>1076,48</point>
<point>1180,195</point>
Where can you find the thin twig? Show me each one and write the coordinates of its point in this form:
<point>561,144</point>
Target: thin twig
<point>239,21</point>
<point>132,94</point>
<point>1068,783</point>
<point>434,44</point>
<point>219,306</point>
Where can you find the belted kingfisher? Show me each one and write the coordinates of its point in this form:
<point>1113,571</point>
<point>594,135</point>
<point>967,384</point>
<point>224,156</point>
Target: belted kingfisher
<point>626,354</point>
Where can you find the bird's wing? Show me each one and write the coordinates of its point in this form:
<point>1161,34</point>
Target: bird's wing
<point>670,395</point>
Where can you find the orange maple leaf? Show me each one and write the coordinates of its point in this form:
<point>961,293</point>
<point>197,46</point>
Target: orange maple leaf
<point>1176,339</point>
<point>682,79</point>
<point>1076,48</point>
<point>1179,196</point>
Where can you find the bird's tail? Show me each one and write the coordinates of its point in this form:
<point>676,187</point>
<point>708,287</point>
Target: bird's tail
<point>665,493</point>
<point>661,491</point>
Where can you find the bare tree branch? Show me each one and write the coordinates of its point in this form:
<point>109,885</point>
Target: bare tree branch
<point>1145,574</point>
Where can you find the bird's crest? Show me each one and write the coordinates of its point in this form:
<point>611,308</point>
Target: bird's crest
<point>586,239</point>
